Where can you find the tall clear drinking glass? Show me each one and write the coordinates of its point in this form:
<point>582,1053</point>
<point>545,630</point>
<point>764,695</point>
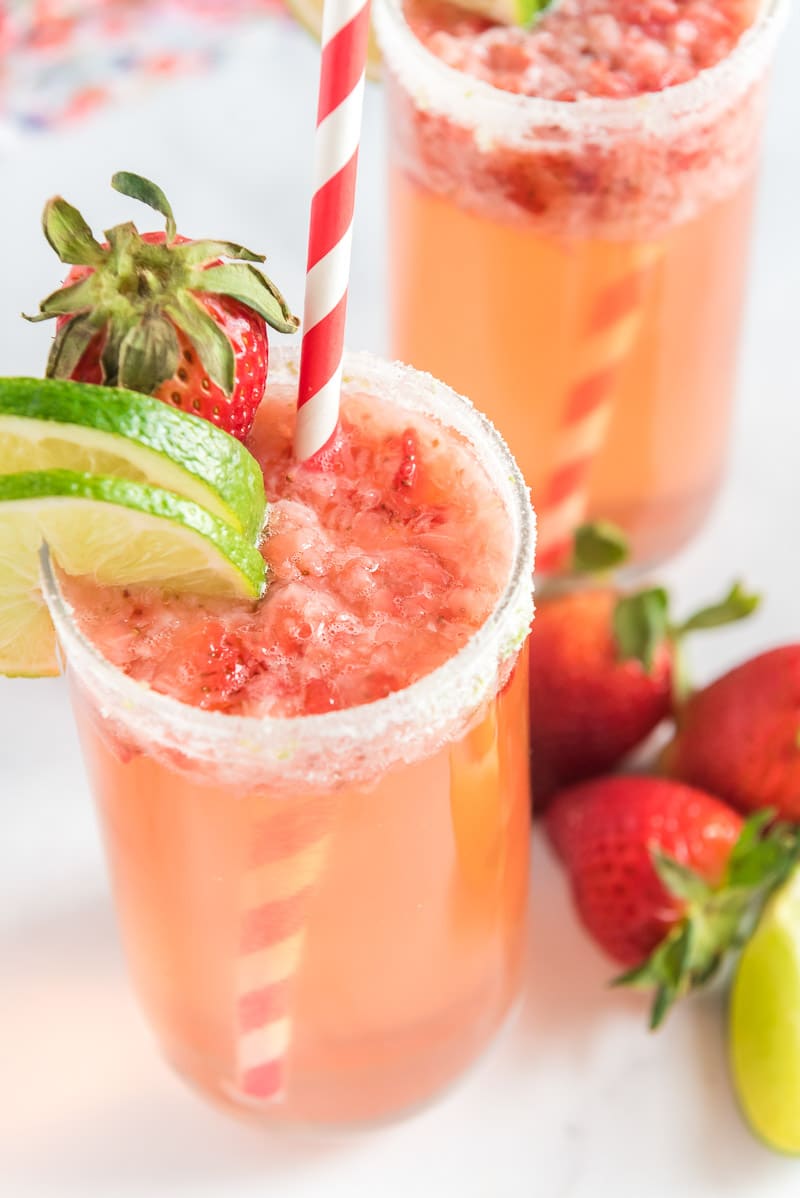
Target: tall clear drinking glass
<point>578,269</point>
<point>324,916</point>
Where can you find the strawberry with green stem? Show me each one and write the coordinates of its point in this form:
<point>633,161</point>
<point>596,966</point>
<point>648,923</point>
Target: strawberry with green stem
<point>606,665</point>
<point>161,314</point>
<point>667,879</point>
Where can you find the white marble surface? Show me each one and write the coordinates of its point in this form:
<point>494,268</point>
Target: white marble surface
<point>577,1100</point>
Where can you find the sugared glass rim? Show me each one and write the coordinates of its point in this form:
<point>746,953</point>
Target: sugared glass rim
<point>501,115</point>
<point>437,699</point>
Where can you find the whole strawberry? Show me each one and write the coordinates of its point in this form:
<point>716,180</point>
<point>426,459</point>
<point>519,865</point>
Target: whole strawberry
<point>163,315</point>
<point>665,877</point>
<point>593,698</point>
<point>605,666</point>
<point>740,736</point>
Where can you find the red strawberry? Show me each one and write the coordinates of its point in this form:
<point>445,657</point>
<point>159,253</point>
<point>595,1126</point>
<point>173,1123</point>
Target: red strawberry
<point>591,701</point>
<point>665,877</point>
<point>160,314</point>
<point>603,668</point>
<point>740,736</point>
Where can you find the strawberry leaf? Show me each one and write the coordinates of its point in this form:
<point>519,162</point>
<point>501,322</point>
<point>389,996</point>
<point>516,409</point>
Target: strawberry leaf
<point>250,287</point>
<point>122,239</point>
<point>678,879</point>
<point>213,347</point>
<point>738,604</point>
<point>200,253</point>
<point>70,344</point>
<point>641,625</point>
<point>67,301</point>
<point>139,188</point>
<point>718,919</point>
<point>149,354</point>
<point>109,359</point>
<point>664,971</point>
<point>598,547</point>
<point>69,234</point>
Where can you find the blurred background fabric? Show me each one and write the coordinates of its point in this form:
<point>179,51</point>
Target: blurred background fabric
<point>62,59</point>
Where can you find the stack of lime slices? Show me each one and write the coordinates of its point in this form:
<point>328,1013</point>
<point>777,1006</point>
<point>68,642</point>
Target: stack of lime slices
<point>124,490</point>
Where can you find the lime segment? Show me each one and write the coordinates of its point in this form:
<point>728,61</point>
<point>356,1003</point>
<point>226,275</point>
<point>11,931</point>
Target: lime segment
<point>51,424</point>
<point>115,531</point>
<point>765,1023</point>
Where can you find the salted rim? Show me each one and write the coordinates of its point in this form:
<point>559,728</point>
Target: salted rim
<point>504,115</point>
<point>497,639</point>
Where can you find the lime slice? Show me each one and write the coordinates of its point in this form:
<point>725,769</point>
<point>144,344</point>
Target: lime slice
<point>765,1023</point>
<point>51,424</point>
<point>508,12</point>
<point>309,15</point>
<point>511,12</point>
<point>116,532</point>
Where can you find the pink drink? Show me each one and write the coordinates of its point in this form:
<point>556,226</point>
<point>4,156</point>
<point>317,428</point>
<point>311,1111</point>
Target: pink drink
<point>324,913</point>
<point>369,585</point>
<point>569,218</point>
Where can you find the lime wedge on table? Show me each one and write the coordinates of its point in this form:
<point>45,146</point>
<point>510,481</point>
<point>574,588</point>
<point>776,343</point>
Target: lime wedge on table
<point>765,1023</point>
<point>115,531</point>
<point>51,424</point>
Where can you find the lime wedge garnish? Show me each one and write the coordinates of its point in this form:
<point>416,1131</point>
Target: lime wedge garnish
<point>50,424</point>
<point>114,531</point>
<point>508,12</point>
<point>765,1023</point>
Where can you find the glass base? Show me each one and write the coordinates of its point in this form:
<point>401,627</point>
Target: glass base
<point>334,1111</point>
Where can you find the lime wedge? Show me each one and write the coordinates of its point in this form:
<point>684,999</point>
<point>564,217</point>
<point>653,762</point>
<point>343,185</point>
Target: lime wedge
<point>765,1023</point>
<point>51,424</point>
<point>508,12</point>
<point>116,532</point>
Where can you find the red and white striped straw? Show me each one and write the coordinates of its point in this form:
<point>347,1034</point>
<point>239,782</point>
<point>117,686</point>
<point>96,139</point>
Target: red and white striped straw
<point>608,339</point>
<point>345,33</point>
<point>286,857</point>
<point>288,851</point>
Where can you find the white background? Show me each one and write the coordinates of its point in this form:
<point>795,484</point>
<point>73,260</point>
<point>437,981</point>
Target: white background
<point>577,1099</point>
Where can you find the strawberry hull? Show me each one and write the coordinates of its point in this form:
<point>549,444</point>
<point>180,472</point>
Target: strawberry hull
<point>184,320</point>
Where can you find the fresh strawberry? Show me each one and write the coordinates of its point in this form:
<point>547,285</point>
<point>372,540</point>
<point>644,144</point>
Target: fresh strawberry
<point>591,702</point>
<point>665,878</point>
<point>604,669</point>
<point>160,314</point>
<point>740,736</point>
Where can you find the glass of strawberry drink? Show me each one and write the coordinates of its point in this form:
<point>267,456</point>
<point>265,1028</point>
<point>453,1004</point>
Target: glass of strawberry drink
<point>316,805</point>
<point>571,204</point>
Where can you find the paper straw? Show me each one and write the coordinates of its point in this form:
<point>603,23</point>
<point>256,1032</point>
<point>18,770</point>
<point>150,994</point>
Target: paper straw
<point>345,34</point>
<point>287,853</point>
<point>609,338</point>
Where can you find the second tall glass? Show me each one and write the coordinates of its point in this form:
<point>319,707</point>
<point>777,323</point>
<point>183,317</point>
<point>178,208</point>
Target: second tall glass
<point>578,269</point>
